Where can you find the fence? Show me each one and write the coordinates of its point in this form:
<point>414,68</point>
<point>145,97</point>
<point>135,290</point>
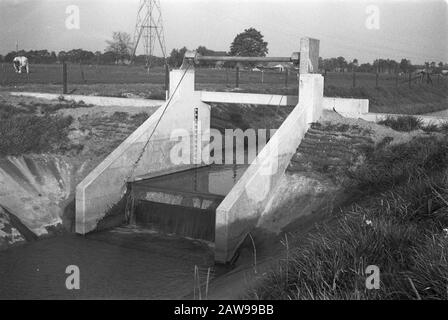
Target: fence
<point>138,79</point>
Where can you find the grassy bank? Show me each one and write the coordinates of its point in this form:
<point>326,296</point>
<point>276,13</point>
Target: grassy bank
<point>63,127</point>
<point>25,130</point>
<point>396,217</point>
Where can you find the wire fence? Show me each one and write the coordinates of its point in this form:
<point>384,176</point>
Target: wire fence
<point>281,81</point>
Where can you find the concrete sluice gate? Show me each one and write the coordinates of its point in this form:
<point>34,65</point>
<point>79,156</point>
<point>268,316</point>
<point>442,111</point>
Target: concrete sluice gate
<point>195,198</point>
<point>184,203</point>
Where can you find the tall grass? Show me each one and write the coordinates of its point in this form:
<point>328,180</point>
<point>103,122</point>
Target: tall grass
<point>398,223</point>
<point>402,123</point>
<point>22,132</point>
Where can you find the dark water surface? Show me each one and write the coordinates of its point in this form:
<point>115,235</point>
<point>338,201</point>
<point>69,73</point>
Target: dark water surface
<point>121,263</point>
<point>126,262</point>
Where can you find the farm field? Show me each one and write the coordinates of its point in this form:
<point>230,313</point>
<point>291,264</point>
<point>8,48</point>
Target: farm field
<point>392,95</point>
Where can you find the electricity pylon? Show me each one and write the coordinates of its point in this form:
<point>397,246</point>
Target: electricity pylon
<point>148,27</point>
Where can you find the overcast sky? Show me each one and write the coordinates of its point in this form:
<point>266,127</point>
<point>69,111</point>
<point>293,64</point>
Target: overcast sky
<point>416,30</point>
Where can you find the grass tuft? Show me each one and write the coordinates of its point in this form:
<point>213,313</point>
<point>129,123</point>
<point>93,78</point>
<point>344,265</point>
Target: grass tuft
<point>402,123</point>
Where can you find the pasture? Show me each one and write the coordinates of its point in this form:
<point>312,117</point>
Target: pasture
<point>387,93</point>
<point>95,74</point>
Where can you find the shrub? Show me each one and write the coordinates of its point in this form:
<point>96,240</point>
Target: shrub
<point>30,133</point>
<point>402,123</point>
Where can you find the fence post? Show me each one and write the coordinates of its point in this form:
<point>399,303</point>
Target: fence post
<point>286,77</point>
<point>64,77</point>
<point>262,76</point>
<point>227,76</point>
<point>82,72</point>
<point>167,81</point>
<point>237,80</point>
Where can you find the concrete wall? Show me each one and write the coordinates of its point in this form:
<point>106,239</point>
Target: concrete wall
<point>95,100</point>
<point>249,98</point>
<point>240,211</point>
<point>309,55</point>
<point>106,184</point>
<point>351,108</point>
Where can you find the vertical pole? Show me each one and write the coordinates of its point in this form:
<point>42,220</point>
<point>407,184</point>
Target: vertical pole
<point>237,80</point>
<point>82,72</point>
<point>227,76</point>
<point>262,76</point>
<point>64,77</point>
<point>167,81</point>
<point>286,77</point>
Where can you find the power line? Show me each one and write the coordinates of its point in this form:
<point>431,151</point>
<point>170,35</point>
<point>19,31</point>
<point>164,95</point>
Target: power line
<point>149,26</point>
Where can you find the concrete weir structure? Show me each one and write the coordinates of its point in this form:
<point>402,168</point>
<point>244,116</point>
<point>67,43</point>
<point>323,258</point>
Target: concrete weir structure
<point>146,152</point>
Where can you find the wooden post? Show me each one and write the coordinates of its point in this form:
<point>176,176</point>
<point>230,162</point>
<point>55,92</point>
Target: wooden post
<point>167,81</point>
<point>64,77</point>
<point>82,72</point>
<point>262,76</point>
<point>286,77</point>
<point>237,80</point>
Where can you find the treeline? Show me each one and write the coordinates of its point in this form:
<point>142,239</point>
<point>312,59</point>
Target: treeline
<point>339,64</point>
<point>88,57</point>
<point>77,56</point>
<point>177,56</point>
<point>389,66</point>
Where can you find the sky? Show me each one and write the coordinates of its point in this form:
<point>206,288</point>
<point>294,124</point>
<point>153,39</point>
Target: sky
<point>366,30</point>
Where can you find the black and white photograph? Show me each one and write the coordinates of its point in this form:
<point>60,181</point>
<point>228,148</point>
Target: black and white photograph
<point>222,154</point>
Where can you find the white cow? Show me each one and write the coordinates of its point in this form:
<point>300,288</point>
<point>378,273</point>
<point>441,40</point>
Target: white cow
<point>20,63</point>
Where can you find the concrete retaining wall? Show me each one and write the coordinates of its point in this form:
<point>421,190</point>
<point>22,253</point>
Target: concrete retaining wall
<point>347,107</point>
<point>95,100</point>
<point>240,211</point>
<point>249,98</point>
<point>106,184</point>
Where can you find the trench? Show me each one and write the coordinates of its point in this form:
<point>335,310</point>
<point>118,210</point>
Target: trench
<point>154,257</point>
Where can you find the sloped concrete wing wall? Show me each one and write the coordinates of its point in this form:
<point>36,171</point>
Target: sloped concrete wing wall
<point>240,211</point>
<point>106,184</point>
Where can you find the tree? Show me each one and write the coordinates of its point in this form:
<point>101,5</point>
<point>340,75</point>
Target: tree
<point>405,65</point>
<point>341,63</point>
<point>176,57</point>
<point>120,46</point>
<point>249,43</point>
